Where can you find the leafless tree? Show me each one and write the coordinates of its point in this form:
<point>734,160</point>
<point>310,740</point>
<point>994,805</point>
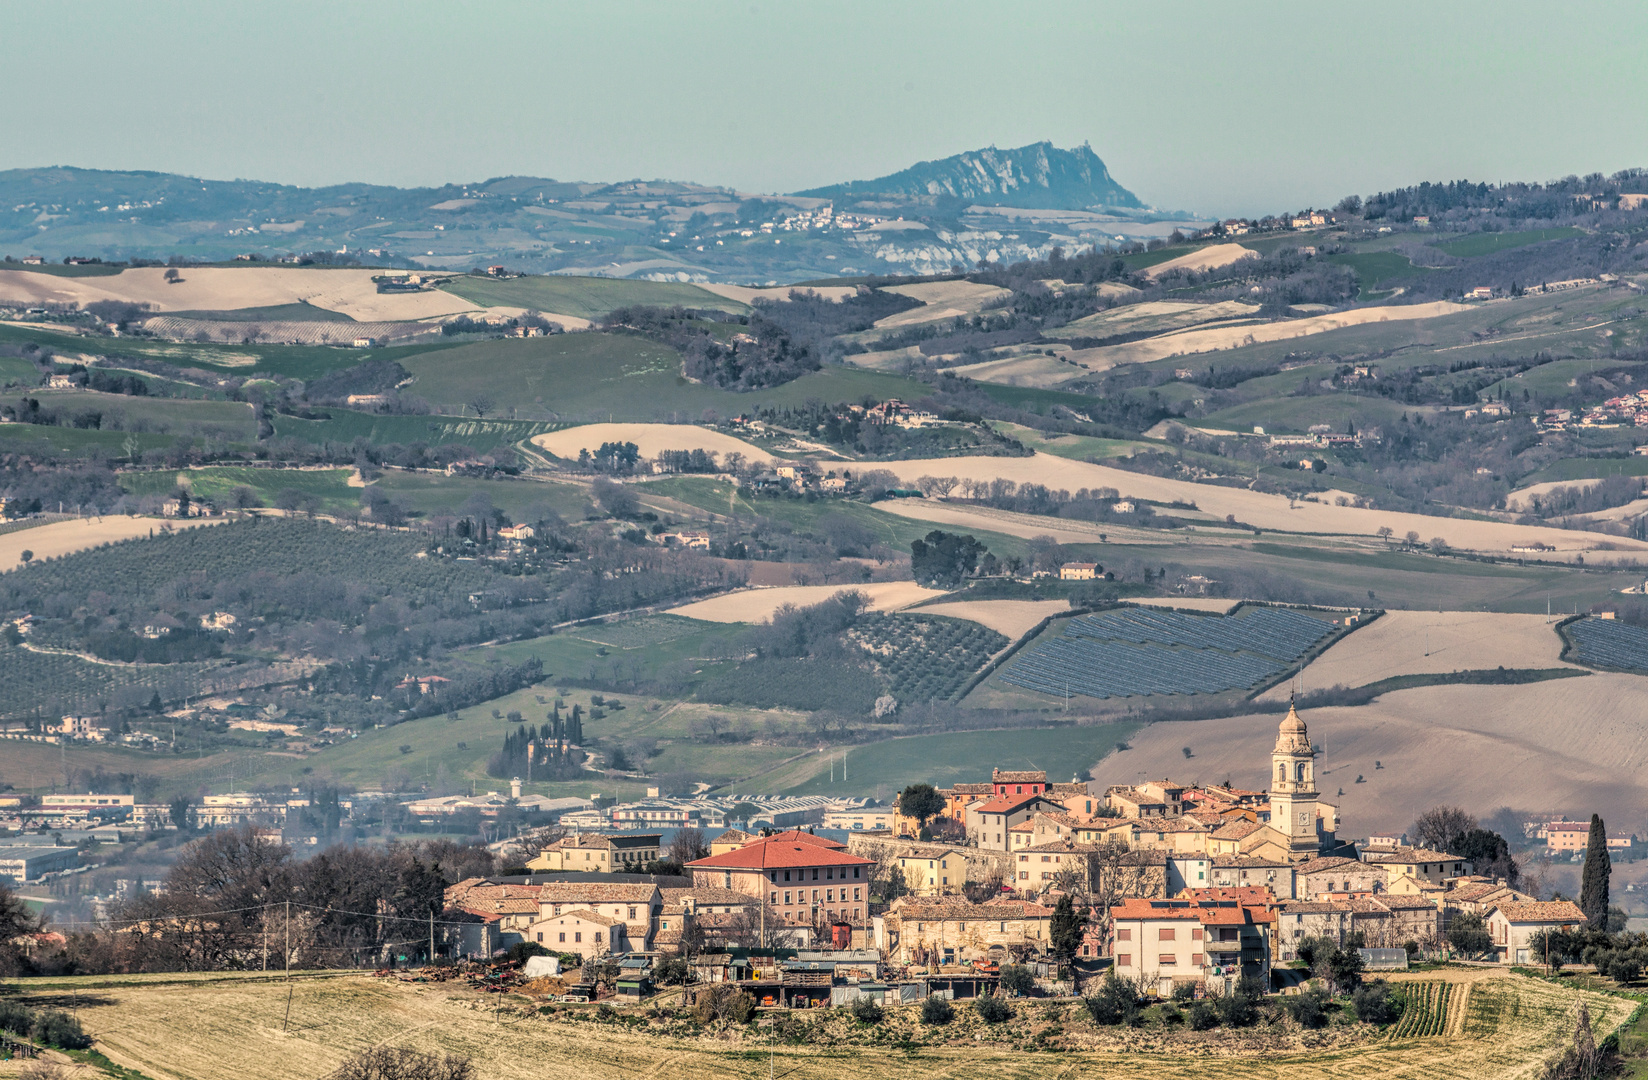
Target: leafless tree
<point>482,403</point>
<point>400,1063</point>
<point>1437,827</point>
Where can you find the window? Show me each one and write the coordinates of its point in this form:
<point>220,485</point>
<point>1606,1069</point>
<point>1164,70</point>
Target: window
<point>786,875</point>
<point>1196,934</point>
<point>775,896</point>
<point>632,912</point>
<point>855,894</point>
<point>577,936</point>
<point>786,898</point>
<point>829,872</point>
<point>1167,933</point>
<point>815,896</point>
<point>815,874</point>
<point>855,874</point>
<point>1047,858</point>
<point>1125,934</point>
<point>563,936</point>
<point>1196,959</point>
<point>1167,959</point>
<point>1124,959</point>
<point>946,881</point>
<point>540,936</point>
<point>597,937</point>
<point>1024,858</point>
<point>829,896</point>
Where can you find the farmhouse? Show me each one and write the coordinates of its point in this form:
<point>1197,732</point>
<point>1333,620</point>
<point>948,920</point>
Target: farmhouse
<point>583,932</point>
<point>1078,571</point>
<point>635,906</point>
<point>1335,878</point>
<point>1419,864</point>
<point>988,822</point>
<point>936,933</point>
<point>928,870</point>
<point>1513,926</point>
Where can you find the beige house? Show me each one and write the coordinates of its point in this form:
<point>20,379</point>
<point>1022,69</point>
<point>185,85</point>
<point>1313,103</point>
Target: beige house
<point>1332,878</point>
<point>1078,571</point>
<point>943,933</point>
<point>988,822</point>
<point>635,905</point>
<point>1160,944</point>
<point>1513,926</point>
<point>583,932</point>
<point>1244,871</point>
<point>731,840</point>
<point>599,853</point>
<point>932,871</point>
<point>1436,867</point>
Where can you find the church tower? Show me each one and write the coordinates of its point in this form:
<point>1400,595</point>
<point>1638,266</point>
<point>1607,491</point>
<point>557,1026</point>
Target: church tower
<point>1293,791</point>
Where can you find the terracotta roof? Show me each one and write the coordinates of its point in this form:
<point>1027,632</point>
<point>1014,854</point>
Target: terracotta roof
<point>732,836</point>
<point>1327,862</point>
<point>1147,857</point>
<point>595,892</point>
<point>1006,804</point>
<point>1027,909</point>
<point>1411,855</point>
<point>1405,903</point>
<point>779,853</point>
<point>1024,776</point>
<point>1136,908</point>
<point>1256,895</point>
<point>1248,861</point>
<point>587,916</point>
<point>1236,830</point>
<point>801,837</point>
<point>707,895</point>
<point>1316,907</point>
<point>968,789</point>
<point>947,909</point>
<point>1543,911</point>
<point>927,853</point>
<point>1061,845</point>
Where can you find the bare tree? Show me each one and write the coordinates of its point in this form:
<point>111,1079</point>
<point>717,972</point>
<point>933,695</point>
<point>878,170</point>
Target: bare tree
<point>687,845</point>
<point>400,1063</point>
<point>481,402</point>
<point>1439,827</point>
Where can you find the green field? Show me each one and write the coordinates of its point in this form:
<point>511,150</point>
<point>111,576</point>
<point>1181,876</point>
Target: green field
<point>882,768</point>
<point>40,439</point>
<point>1079,447</point>
<point>330,486</point>
<point>345,426</point>
<point>1487,243</point>
<point>521,498</point>
<point>1298,414</point>
<point>593,377</point>
<point>1587,469</point>
<point>299,312</point>
<point>584,297</point>
<point>170,416</point>
<point>1375,269</point>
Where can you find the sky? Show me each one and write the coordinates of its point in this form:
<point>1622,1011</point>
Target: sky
<point>1199,105</point>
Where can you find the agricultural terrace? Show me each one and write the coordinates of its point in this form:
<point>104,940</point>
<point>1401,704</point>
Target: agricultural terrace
<point>226,1027</point>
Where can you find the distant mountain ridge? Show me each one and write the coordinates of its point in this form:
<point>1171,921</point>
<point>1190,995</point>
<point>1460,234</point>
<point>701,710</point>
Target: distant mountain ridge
<point>1039,177</point>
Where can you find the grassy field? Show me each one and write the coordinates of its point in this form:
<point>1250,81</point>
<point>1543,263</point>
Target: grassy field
<point>344,425</point>
<point>232,419</point>
<point>1080,447</point>
<point>882,768</point>
<point>1588,469</point>
<point>18,371</point>
<point>432,493</point>
<point>299,312</point>
<point>1375,269</point>
<point>585,297</point>
<point>1487,243</point>
<point>238,1025</point>
<point>37,438</point>
<point>330,486</point>
<point>588,377</point>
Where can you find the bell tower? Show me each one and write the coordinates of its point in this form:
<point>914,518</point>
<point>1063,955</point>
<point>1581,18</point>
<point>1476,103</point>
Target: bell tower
<point>1293,791</point>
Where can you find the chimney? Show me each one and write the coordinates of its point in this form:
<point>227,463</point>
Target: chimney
<point>515,788</point>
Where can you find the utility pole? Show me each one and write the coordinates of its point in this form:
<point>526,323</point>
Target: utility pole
<point>432,936</point>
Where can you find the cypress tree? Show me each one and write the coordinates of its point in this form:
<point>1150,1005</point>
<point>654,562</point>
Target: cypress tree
<point>1593,889</point>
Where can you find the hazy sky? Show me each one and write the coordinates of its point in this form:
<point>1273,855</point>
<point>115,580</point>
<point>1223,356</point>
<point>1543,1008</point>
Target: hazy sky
<point>1212,106</point>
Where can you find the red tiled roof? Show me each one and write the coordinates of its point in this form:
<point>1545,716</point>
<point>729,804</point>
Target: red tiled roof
<point>1547,911</point>
<point>1006,804</point>
<point>779,852</point>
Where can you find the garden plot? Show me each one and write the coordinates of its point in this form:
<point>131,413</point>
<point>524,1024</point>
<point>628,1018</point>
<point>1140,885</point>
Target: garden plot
<point>1134,652</point>
<point>1421,642</point>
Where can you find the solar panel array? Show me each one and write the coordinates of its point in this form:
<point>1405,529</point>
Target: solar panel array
<point>1132,652</point>
<point>1610,643</point>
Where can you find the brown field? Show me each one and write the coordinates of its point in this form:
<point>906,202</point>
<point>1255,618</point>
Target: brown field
<point>1039,372</point>
<point>230,1028</point>
<point>1412,642</point>
<point>1014,618</point>
<point>1208,258</point>
<point>1577,745</point>
<point>1187,603</point>
<point>1271,511</point>
<point>746,295</point>
<point>65,537</point>
<point>758,605</point>
<point>942,300</point>
<point>651,439</point>
<point>1028,526</point>
<point>1158,315</point>
<point>216,288</point>
<point>1215,339</point>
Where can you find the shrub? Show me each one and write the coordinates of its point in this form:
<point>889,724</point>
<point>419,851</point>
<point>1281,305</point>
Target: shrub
<point>866,1011</point>
<point>399,1063</point>
<point>1114,1003</point>
<point>1309,1008</point>
<point>1171,1014</point>
<point>521,950</point>
<point>1184,993</point>
<point>672,972</point>
<point>1203,1016</point>
<point>1017,979</point>
<point>936,1010</point>
<point>1375,1004</point>
<point>1240,1008</point>
<point>59,1029</point>
<point>993,1010</point>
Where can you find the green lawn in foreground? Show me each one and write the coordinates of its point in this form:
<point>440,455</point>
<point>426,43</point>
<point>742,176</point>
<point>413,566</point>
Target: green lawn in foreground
<point>1487,243</point>
<point>585,297</point>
